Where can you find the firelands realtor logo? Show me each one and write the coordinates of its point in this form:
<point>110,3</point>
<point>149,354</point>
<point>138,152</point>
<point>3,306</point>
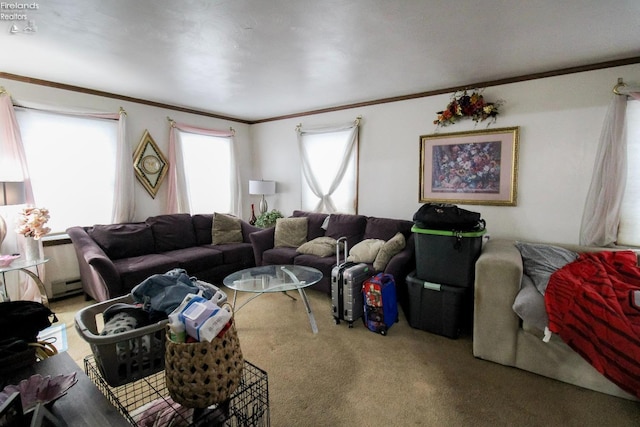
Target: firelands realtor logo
<point>19,14</point>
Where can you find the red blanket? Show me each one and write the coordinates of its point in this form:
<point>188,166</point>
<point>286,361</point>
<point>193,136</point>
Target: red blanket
<point>590,306</point>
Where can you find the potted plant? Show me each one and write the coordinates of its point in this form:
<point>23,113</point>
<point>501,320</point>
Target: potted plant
<point>268,219</point>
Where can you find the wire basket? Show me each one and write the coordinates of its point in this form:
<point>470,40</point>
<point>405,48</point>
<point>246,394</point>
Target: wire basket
<point>127,356</point>
<point>147,402</point>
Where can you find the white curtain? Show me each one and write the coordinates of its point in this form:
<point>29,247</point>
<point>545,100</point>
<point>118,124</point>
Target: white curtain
<point>123,209</point>
<point>178,198</point>
<point>325,202</point>
<point>14,164</point>
<point>601,216</point>
<point>124,194</point>
<point>13,167</point>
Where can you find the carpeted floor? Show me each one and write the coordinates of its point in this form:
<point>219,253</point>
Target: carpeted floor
<point>353,377</point>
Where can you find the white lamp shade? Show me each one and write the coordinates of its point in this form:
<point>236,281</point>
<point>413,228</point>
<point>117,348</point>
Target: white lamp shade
<point>12,193</point>
<point>262,187</point>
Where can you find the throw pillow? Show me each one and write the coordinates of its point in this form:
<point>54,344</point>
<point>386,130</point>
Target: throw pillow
<point>290,232</point>
<point>320,246</point>
<point>225,229</point>
<point>123,240</point>
<point>391,248</point>
<point>529,304</point>
<point>540,261</point>
<point>365,251</point>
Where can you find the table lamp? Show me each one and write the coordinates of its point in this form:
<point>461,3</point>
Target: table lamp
<point>11,193</point>
<point>262,188</point>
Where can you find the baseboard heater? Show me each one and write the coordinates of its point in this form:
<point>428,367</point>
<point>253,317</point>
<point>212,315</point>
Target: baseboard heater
<point>65,288</point>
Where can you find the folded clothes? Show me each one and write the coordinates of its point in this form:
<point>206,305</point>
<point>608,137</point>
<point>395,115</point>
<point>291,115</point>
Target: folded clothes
<point>134,310</point>
<point>162,412</point>
<point>160,294</point>
<point>123,322</point>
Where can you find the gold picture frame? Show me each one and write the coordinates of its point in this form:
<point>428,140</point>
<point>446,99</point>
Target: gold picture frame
<point>150,164</point>
<point>475,168</point>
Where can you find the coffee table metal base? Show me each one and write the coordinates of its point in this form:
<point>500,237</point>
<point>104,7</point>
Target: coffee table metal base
<point>303,295</point>
<point>272,279</point>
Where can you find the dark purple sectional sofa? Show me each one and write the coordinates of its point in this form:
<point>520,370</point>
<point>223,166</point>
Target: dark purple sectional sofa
<point>355,228</point>
<point>116,257</point>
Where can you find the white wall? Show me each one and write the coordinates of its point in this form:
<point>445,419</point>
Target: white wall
<point>560,120</point>
<point>139,118</point>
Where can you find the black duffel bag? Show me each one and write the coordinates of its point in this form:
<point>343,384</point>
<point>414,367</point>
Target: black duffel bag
<point>24,319</point>
<point>445,216</point>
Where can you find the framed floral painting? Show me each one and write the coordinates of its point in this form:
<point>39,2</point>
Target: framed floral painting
<point>477,167</point>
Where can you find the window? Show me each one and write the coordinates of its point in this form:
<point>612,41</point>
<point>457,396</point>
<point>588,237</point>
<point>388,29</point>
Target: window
<point>208,171</point>
<point>629,230</point>
<point>329,170</point>
<point>72,164</point>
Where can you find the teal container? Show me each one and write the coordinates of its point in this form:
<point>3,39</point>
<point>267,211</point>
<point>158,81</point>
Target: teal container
<point>447,257</point>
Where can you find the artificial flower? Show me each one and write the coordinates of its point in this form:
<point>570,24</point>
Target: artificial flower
<point>465,105</point>
<point>31,222</point>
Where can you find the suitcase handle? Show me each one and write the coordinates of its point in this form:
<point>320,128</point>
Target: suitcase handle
<point>346,251</point>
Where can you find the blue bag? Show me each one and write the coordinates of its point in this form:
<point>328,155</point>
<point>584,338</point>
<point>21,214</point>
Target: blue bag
<point>380,303</point>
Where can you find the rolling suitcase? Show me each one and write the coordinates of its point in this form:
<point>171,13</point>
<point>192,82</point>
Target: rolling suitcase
<point>380,303</point>
<point>346,285</point>
<point>346,292</point>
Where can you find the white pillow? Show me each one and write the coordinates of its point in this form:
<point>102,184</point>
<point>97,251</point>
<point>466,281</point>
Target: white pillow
<point>391,248</point>
<point>365,251</point>
<point>320,246</point>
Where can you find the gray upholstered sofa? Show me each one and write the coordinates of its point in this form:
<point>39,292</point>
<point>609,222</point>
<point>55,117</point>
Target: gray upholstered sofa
<point>501,336</point>
<point>356,229</point>
<point>114,258</point>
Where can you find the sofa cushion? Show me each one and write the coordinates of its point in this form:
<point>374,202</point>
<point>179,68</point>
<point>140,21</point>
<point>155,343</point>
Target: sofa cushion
<point>282,256</point>
<point>123,240</point>
<point>315,222</point>
<point>389,249</point>
<point>236,253</point>
<point>325,265</point>
<point>226,229</point>
<point>385,228</point>
<point>540,261</point>
<point>136,269</point>
<point>365,251</point>
<point>290,232</point>
<point>345,225</point>
<point>320,246</point>
<point>173,231</point>
<point>529,304</point>
<point>196,258</point>
<point>202,226</point>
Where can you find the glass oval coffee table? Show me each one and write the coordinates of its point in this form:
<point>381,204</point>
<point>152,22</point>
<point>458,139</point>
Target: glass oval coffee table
<point>274,278</point>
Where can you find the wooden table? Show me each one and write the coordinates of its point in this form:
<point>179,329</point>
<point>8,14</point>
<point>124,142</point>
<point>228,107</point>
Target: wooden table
<point>83,405</point>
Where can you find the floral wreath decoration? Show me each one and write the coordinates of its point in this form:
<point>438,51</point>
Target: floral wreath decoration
<point>464,105</point>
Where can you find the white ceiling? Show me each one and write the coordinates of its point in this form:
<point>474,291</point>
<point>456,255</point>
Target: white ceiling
<point>259,59</point>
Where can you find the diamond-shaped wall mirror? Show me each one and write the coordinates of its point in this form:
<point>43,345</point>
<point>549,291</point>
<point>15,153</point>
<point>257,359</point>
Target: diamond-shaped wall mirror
<point>150,164</point>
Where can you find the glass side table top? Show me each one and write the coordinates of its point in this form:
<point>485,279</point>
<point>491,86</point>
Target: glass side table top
<point>20,263</point>
<point>273,278</point>
<point>24,265</point>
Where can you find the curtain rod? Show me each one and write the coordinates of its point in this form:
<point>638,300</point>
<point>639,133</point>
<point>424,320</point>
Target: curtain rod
<point>621,88</point>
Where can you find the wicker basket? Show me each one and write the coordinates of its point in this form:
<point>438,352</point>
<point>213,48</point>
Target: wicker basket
<point>201,374</point>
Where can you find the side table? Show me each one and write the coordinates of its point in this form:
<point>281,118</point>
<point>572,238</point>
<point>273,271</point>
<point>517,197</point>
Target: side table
<point>24,266</point>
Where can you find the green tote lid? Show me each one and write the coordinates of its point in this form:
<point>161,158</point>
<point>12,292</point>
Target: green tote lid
<point>417,229</point>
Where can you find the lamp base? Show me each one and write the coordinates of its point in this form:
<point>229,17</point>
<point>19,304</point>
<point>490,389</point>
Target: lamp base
<point>263,205</point>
